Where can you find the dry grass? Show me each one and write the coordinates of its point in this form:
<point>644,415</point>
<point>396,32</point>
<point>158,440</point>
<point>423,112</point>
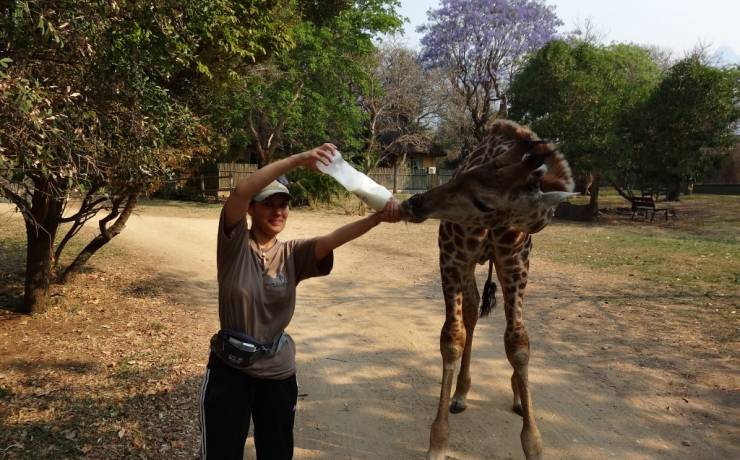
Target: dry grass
<point>97,375</point>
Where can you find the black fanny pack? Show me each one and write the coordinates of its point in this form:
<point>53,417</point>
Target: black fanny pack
<point>241,350</point>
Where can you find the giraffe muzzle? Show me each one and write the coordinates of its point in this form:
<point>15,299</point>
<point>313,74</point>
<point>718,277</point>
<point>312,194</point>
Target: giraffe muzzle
<point>411,209</point>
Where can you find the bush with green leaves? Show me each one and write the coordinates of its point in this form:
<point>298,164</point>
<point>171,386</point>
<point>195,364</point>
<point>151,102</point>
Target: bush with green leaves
<point>310,188</point>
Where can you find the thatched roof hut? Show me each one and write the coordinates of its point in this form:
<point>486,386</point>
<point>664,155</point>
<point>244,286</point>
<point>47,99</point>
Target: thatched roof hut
<point>418,144</point>
<point>413,148</point>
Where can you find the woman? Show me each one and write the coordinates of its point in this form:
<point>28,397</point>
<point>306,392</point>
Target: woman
<point>251,368</point>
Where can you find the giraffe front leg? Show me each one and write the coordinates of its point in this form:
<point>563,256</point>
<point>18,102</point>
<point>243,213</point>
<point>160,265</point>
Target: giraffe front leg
<point>517,351</point>
<point>452,341</point>
<point>451,345</point>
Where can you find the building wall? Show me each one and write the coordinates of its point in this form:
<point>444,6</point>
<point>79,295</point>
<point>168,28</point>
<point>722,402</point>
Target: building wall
<point>421,161</point>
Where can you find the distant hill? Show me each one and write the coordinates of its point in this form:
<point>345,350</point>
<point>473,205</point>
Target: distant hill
<point>726,56</point>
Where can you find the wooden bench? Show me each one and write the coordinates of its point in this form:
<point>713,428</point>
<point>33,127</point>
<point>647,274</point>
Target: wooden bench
<point>646,204</point>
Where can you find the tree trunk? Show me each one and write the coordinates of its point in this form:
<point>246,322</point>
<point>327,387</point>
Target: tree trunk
<point>104,237</point>
<point>38,270</point>
<point>674,191</point>
<point>503,109</point>
<point>583,183</point>
<point>593,203</point>
<point>46,210</point>
<point>267,137</point>
<point>583,212</point>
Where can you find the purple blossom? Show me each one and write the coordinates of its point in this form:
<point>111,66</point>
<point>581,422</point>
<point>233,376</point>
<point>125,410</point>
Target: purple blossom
<point>485,40</point>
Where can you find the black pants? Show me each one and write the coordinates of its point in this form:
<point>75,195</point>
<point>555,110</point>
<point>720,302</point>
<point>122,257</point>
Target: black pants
<point>228,399</point>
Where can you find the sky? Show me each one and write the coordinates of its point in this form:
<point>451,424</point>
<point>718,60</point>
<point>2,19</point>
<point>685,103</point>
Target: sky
<point>678,25</point>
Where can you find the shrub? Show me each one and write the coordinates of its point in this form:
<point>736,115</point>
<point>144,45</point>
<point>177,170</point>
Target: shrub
<point>310,188</point>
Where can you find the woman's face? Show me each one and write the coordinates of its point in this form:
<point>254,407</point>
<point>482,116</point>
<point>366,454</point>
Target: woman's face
<point>270,214</point>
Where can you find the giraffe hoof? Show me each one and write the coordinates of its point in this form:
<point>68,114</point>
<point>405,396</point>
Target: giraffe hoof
<point>457,407</point>
<point>436,455</point>
<point>518,409</point>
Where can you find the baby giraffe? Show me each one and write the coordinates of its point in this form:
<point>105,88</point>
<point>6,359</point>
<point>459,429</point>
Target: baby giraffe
<point>505,190</point>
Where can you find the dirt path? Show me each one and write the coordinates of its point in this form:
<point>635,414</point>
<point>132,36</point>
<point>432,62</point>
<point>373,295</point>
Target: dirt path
<point>369,365</point>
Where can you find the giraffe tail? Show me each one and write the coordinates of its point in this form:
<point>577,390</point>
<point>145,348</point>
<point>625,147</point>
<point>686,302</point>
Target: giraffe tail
<point>488,299</point>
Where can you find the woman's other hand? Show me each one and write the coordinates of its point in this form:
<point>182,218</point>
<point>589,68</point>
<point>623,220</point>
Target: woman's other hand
<point>311,158</point>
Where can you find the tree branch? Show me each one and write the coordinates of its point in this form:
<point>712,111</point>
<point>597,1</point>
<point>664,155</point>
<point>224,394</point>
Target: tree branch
<point>86,204</point>
<point>277,132</point>
<point>90,210</point>
<point>112,215</point>
<point>20,202</point>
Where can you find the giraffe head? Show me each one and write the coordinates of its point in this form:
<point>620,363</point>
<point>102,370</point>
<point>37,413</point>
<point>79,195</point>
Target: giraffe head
<point>516,180</point>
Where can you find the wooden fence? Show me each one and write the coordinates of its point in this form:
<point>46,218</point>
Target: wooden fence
<point>236,172</point>
<point>717,189</point>
<point>399,180</point>
<point>409,180</point>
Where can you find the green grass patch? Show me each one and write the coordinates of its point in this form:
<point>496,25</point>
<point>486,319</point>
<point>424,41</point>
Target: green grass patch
<point>670,257</point>
<point>698,250</point>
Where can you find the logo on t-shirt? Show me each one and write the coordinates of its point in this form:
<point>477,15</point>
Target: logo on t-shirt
<point>279,280</point>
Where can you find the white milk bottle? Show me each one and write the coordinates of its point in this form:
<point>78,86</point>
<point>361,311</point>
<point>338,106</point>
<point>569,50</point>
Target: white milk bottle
<point>372,193</point>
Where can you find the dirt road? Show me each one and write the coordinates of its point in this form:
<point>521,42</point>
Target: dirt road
<point>369,363</point>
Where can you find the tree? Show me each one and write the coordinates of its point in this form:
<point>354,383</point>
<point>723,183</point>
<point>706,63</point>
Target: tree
<point>481,44</point>
<point>309,94</point>
<point>401,99</point>
<point>694,109</point>
<point>100,97</point>
<point>578,94</point>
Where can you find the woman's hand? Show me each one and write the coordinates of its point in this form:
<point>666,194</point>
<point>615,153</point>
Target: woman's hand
<point>311,158</point>
<point>391,212</point>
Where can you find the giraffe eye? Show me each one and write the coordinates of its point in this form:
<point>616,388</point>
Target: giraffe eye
<point>481,206</point>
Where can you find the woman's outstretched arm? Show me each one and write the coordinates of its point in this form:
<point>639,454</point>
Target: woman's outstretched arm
<point>327,243</point>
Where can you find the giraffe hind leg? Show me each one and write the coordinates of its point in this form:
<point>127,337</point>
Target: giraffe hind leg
<point>512,265</point>
<point>517,404</point>
<point>459,400</point>
<point>517,351</point>
<point>470,318</point>
<point>459,404</point>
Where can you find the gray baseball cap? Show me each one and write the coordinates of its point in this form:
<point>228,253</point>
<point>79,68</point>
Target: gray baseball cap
<point>272,188</point>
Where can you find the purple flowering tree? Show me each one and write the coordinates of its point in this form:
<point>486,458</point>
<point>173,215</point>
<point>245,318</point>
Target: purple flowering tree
<point>481,43</point>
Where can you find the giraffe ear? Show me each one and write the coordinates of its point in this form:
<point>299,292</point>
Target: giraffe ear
<point>539,172</point>
<point>551,199</point>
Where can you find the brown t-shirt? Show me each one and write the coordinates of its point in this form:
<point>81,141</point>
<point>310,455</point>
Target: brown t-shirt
<point>256,291</point>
